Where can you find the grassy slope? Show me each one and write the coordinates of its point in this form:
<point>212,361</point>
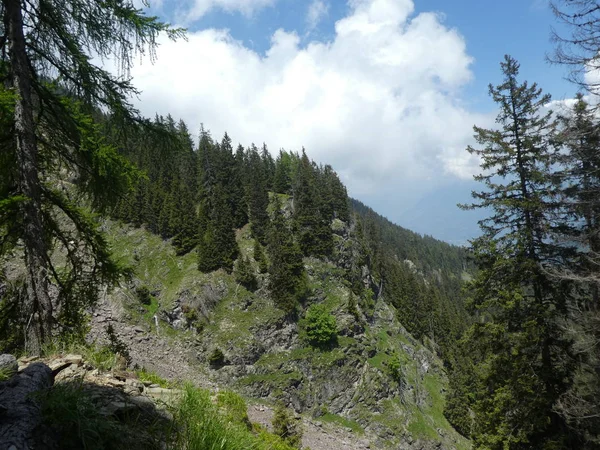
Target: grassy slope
<point>238,317</point>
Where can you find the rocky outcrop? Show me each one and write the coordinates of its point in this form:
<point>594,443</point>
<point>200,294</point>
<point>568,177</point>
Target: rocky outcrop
<point>20,413</point>
<point>116,394</point>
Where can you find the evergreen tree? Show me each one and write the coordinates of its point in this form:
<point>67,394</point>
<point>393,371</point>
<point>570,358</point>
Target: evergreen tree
<point>523,365</point>
<point>217,247</point>
<point>287,278</point>
<point>579,178</point>
<point>282,180</point>
<point>257,195</point>
<point>237,190</point>
<point>244,274</point>
<point>260,258</point>
<point>313,230</point>
<point>52,41</point>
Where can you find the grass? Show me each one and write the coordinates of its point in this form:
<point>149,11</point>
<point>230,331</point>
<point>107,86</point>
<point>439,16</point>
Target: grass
<point>204,426</point>
<point>198,423</point>
<point>343,421</point>
<point>71,412</point>
<point>151,377</point>
<point>100,357</point>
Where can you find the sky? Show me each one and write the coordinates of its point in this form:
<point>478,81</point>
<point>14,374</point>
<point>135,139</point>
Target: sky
<point>386,91</point>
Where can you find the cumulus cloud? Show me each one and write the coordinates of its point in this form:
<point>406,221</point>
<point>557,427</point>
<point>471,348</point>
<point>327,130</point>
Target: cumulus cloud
<point>317,11</point>
<point>380,101</point>
<point>198,8</point>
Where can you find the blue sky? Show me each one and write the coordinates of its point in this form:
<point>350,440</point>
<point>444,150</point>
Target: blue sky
<point>386,91</point>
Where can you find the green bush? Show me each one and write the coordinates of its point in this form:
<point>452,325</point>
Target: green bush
<point>216,358</point>
<point>244,274</point>
<point>319,327</point>
<point>395,369</point>
<point>287,427</point>
<point>143,295</point>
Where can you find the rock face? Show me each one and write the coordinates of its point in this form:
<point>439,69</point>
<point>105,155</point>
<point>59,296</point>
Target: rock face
<point>20,414</point>
<point>8,365</point>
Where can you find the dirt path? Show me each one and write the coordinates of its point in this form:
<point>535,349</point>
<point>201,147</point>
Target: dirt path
<point>172,361</point>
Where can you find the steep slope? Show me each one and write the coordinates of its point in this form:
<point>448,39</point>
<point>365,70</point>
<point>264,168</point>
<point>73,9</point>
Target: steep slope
<point>377,379</point>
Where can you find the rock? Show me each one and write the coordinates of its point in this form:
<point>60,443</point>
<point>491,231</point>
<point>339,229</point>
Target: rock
<point>8,365</point>
<point>22,412</point>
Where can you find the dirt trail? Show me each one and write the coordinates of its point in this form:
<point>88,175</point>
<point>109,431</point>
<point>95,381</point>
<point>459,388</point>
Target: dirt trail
<point>172,361</point>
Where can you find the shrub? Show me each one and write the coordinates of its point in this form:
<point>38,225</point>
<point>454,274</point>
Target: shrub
<point>319,327</point>
<point>395,369</point>
<point>143,295</point>
<point>216,358</point>
<point>288,428</point>
<point>244,274</point>
<point>116,345</point>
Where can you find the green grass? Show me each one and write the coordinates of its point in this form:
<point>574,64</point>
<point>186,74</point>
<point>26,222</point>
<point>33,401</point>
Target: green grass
<point>151,377</point>
<point>100,357</point>
<point>343,421</point>
<point>203,426</point>
<point>70,410</point>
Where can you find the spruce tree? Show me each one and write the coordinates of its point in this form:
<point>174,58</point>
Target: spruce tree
<point>43,42</point>
<point>312,228</point>
<point>257,195</point>
<point>259,257</point>
<point>287,277</point>
<point>523,364</point>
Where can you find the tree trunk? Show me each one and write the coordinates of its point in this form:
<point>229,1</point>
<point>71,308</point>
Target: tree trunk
<point>39,304</point>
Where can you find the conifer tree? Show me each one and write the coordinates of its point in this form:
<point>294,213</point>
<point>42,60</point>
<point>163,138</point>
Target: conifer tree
<point>259,257</point>
<point>523,360</point>
<point>217,247</point>
<point>313,230</point>
<point>257,195</point>
<point>287,278</point>
<point>282,180</point>
<point>579,179</point>
<point>244,274</point>
<point>42,42</point>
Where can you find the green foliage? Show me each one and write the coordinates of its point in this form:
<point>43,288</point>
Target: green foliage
<point>216,358</point>
<point>143,295</point>
<point>202,425</point>
<point>287,281</point>
<point>319,327</point>
<point>244,274</point>
<point>395,369</point>
<point>287,427</point>
<point>72,414</point>
<point>116,345</point>
<point>151,377</point>
<point>311,218</point>
<point>522,364</point>
<point>233,408</point>
<point>259,257</point>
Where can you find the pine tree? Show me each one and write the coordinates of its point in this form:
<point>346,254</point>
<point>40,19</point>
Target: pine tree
<point>46,42</point>
<point>287,278</point>
<point>257,196</point>
<point>313,230</point>
<point>579,177</point>
<point>282,180</point>
<point>244,274</point>
<point>260,258</point>
<point>523,360</point>
<point>217,247</point>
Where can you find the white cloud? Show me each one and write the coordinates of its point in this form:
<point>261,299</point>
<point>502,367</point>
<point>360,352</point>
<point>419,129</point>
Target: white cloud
<point>317,11</point>
<point>198,8</point>
<point>380,101</point>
